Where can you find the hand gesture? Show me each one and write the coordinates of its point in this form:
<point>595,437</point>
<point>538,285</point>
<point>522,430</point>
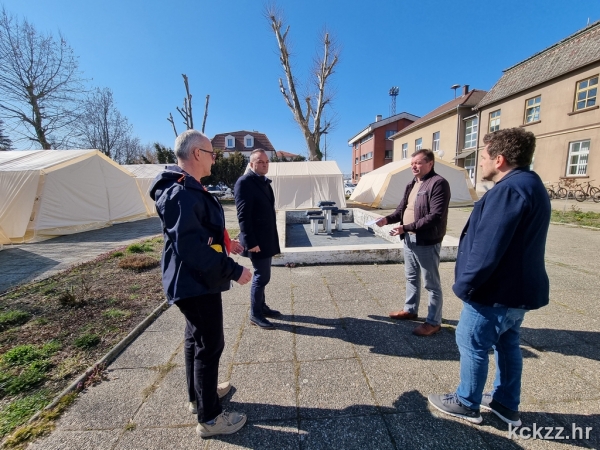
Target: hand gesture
<point>254,249</point>
<point>381,222</point>
<point>236,247</point>
<point>245,277</point>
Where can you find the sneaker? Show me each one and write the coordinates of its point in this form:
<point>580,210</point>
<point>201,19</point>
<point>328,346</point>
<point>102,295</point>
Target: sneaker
<point>449,404</point>
<point>222,390</point>
<point>507,415</point>
<point>225,423</point>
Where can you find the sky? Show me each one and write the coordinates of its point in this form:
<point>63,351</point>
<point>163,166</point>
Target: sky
<point>139,49</point>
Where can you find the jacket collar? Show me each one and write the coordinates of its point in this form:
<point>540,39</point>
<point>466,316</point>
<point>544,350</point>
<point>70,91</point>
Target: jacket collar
<point>426,177</point>
<point>515,171</point>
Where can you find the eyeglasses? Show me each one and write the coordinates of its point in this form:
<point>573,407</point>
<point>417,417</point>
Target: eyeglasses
<point>213,154</point>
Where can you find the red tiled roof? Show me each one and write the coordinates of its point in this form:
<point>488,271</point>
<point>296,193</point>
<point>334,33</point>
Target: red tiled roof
<point>573,52</point>
<point>468,100</point>
<point>282,154</point>
<point>260,141</point>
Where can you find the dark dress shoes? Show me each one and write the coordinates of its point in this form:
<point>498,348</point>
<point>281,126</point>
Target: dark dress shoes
<point>268,312</point>
<point>262,323</point>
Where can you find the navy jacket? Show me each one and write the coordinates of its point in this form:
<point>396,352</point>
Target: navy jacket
<point>501,252</point>
<point>255,203</point>
<point>192,220</point>
<point>431,209</point>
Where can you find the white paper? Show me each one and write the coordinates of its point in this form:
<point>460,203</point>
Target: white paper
<point>371,222</point>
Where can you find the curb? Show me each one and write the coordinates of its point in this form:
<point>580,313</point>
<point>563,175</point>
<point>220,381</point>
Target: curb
<point>574,225</point>
<point>106,359</point>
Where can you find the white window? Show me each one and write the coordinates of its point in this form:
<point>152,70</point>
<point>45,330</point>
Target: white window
<point>494,121</point>
<point>586,93</point>
<point>578,157</point>
<point>389,133</point>
<point>405,151</point>
<point>388,154</point>
<point>229,141</point>
<point>418,144</point>
<point>532,109</point>
<point>248,141</point>
<point>355,160</point>
<point>436,141</point>
<point>471,132</point>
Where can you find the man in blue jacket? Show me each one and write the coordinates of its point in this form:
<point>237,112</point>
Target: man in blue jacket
<point>499,275</point>
<point>196,269</point>
<point>255,203</point>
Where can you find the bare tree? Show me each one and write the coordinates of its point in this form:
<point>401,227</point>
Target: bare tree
<point>5,142</point>
<point>40,83</point>
<point>186,111</point>
<point>309,117</point>
<point>103,127</point>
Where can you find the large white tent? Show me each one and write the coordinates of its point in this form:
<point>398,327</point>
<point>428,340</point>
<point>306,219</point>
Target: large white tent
<point>301,185</point>
<point>384,187</point>
<point>45,193</point>
<point>144,176</point>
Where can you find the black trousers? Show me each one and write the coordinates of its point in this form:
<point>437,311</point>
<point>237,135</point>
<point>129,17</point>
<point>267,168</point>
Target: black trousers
<point>204,343</point>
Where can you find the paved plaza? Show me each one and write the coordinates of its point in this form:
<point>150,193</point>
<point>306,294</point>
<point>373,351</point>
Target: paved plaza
<point>339,374</point>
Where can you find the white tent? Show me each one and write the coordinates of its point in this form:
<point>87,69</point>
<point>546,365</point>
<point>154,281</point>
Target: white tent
<point>300,185</point>
<point>45,193</point>
<point>144,176</point>
<point>384,187</point>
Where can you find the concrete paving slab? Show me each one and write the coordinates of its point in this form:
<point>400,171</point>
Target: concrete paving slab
<point>346,433</point>
<point>170,320</point>
<point>150,349</point>
<point>320,342</point>
<point>311,294</point>
<point>174,438</point>
<point>81,440</point>
<point>334,388</point>
<point>377,338</point>
<point>258,345</point>
<point>268,435</point>
<point>110,404</point>
<point>273,399</point>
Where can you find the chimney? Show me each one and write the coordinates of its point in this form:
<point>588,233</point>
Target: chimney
<point>465,89</point>
<point>378,117</point>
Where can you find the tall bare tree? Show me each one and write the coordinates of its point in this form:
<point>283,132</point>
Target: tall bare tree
<point>103,127</point>
<point>5,142</point>
<point>308,114</point>
<point>186,112</point>
<point>40,83</point>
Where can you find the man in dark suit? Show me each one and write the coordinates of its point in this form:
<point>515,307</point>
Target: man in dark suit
<point>255,203</point>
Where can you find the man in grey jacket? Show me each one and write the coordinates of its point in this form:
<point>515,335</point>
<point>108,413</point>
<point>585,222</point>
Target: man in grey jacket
<point>422,214</point>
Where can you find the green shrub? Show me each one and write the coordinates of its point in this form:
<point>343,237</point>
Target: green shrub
<point>117,254</point>
<point>87,341</point>
<point>13,318</point>
<point>141,247</point>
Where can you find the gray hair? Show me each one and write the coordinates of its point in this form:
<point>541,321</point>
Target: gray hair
<point>186,142</point>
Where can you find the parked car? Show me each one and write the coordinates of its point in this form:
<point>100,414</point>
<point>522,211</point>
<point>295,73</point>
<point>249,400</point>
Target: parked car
<point>349,188</point>
<point>219,191</point>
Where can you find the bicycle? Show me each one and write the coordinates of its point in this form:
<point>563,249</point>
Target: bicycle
<point>584,192</point>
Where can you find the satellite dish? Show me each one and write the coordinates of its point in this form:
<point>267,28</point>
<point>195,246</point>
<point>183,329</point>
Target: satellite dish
<point>440,153</point>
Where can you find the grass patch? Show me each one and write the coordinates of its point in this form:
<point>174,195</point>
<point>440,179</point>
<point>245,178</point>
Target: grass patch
<point>13,318</point>
<point>142,247</point>
<point>116,254</point>
<point>577,217</point>
<point>138,262</point>
<point>87,341</point>
<point>116,314</point>
<point>19,411</point>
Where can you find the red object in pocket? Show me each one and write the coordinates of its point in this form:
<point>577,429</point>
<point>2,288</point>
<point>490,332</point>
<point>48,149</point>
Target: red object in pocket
<point>227,240</point>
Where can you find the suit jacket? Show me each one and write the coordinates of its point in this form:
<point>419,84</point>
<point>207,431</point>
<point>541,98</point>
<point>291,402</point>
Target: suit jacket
<point>255,203</point>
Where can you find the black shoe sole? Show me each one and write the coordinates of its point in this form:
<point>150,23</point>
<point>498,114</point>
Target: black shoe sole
<point>272,327</point>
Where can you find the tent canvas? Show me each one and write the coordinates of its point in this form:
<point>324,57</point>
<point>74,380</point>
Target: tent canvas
<point>384,187</point>
<point>301,185</point>
<point>45,193</point>
<point>144,176</point>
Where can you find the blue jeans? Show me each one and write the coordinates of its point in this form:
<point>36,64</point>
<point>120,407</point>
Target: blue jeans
<point>480,329</point>
<point>260,279</point>
<point>425,260</point>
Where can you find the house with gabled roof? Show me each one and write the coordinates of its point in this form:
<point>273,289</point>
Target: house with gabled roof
<point>371,147</point>
<point>242,141</point>
<point>554,95</point>
<point>450,130</point>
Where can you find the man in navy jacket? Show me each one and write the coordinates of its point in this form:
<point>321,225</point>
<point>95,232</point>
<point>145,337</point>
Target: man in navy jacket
<point>499,275</point>
<point>255,203</point>
<point>196,269</point>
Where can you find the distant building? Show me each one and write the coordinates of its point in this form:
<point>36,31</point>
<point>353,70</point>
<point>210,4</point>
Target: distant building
<point>450,130</point>
<point>371,148</point>
<point>553,94</point>
<point>243,142</point>
<point>287,155</point>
